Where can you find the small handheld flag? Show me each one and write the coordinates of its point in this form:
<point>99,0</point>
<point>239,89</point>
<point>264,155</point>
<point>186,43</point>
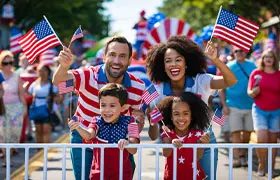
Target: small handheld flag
<point>37,40</point>
<point>218,117</point>
<point>235,29</point>
<point>133,130</point>
<point>66,86</point>
<point>156,116</point>
<point>15,35</point>
<point>78,34</point>
<point>150,94</point>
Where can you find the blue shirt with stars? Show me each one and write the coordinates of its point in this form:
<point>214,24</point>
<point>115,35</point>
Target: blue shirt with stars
<point>111,132</point>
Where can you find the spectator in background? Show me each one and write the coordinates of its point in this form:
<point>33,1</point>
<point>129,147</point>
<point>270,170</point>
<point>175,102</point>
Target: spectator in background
<point>41,92</point>
<point>2,117</point>
<point>141,28</point>
<point>15,104</point>
<point>237,104</point>
<point>264,88</point>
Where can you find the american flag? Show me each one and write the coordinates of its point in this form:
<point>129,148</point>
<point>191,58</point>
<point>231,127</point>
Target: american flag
<point>257,51</point>
<point>218,117</point>
<point>47,57</point>
<point>66,86</point>
<point>15,35</point>
<point>78,34</point>
<point>156,116</point>
<point>235,29</point>
<point>133,130</point>
<point>37,40</point>
<point>271,42</point>
<point>150,94</point>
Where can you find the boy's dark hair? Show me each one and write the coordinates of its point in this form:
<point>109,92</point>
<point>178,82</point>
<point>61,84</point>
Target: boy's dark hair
<point>194,57</point>
<point>119,39</point>
<point>115,90</point>
<point>200,112</point>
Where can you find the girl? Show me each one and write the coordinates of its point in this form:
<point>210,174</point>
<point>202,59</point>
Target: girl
<point>186,117</point>
<point>264,88</point>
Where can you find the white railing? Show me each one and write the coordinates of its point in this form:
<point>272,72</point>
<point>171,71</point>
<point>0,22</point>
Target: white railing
<point>139,147</point>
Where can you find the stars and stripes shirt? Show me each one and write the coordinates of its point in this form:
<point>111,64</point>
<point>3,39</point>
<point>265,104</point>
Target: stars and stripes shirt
<point>113,132</point>
<point>88,82</point>
<point>184,157</point>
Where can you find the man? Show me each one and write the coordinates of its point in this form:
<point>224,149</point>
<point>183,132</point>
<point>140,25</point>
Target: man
<point>238,105</point>
<point>88,81</point>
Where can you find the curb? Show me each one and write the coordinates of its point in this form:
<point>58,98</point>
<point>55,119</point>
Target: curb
<point>37,160</point>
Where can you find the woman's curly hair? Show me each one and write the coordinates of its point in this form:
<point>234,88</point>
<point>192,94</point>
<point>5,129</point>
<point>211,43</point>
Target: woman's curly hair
<point>195,58</point>
<point>200,112</point>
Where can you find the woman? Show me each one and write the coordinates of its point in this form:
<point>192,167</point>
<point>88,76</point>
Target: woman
<point>178,66</point>
<point>41,92</point>
<point>264,88</point>
<point>15,105</point>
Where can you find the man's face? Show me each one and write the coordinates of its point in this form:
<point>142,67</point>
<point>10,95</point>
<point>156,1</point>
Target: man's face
<point>239,54</point>
<point>117,59</point>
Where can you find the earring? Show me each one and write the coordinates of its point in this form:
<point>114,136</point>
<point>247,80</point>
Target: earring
<point>186,67</point>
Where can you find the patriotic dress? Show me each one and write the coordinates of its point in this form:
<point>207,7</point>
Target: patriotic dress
<point>111,133</point>
<point>184,156</point>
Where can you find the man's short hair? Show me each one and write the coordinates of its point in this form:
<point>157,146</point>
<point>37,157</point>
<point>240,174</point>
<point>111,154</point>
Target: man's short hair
<point>115,90</point>
<point>119,39</point>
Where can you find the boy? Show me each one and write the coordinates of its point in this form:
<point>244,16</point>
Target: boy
<point>111,127</point>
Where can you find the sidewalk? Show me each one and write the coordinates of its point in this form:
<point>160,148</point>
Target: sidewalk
<point>148,163</point>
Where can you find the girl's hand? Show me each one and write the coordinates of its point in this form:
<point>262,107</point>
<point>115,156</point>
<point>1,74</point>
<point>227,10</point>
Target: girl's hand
<point>205,139</point>
<point>122,143</point>
<point>256,91</point>
<point>211,51</point>
<point>225,110</point>
<point>73,125</point>
<point>177,143</point>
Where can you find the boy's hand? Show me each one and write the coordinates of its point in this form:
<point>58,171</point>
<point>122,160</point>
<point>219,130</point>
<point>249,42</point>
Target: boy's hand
<point>177,143</point>
<point>73,125</point>
<point>138,115</point>
<point>205,138</point>
<point>122,143</point>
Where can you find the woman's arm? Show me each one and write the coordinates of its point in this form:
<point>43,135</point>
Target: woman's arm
<point>166,151</point>
<point>21,92</point>
<point>228,78</point>
<point>253,92</point>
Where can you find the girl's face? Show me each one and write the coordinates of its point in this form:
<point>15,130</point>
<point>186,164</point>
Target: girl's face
<point>174,65</point>
<point>181,116</point>
<point>110,108</point>
<point>268,60</point>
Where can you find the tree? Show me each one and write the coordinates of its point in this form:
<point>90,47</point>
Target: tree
<point>201,13</point>
<point>64,15</point>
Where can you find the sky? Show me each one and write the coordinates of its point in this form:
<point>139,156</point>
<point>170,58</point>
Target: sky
<point>125,13</point>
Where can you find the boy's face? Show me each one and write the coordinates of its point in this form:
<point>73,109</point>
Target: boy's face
<point>110,108</point>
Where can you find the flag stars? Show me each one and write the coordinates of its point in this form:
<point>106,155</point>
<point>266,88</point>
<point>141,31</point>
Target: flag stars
<point>181,160</point>
<point>198,134</point>
<point>190,135</point>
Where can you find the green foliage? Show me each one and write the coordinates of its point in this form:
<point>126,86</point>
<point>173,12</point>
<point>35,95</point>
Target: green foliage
<point>64,15</point>
<point>199,13</point>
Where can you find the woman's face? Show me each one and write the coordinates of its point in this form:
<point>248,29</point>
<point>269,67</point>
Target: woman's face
<point>43,71</point>
<point>268,60</point>
<point>174,65</point>
<point>7,63</point>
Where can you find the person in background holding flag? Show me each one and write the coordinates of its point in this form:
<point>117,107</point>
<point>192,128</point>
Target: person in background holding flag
<point>179,66</point>
<point>186,116</point>
<point>264,88</point>
<point>88,81</point>
<point>237,105</point>
<point>111,127</point>
<point>41,92</point>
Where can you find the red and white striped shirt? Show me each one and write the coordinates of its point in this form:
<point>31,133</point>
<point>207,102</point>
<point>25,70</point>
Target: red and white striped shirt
<point>88,82</point>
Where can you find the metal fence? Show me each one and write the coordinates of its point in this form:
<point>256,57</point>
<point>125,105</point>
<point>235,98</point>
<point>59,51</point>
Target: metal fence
<point>139,147</point>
